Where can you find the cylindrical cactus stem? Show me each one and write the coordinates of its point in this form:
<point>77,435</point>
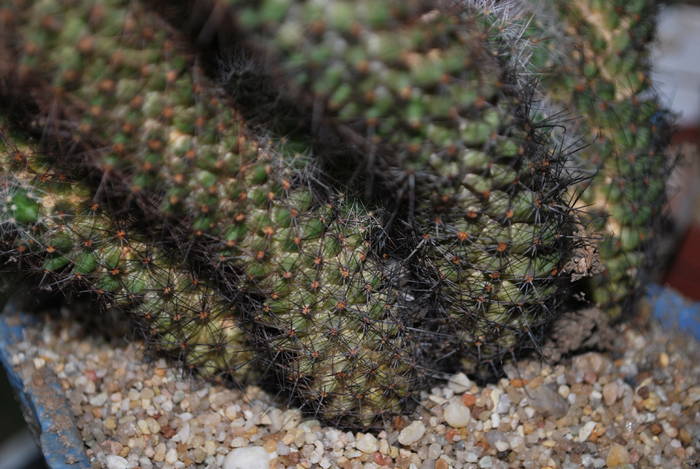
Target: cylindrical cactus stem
<point>52,227</point>
<point>335,324</point>
<point>438,116</point>
<point>595,62</point>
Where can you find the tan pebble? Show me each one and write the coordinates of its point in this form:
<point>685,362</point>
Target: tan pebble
<point>617,456</point>
<point>270,445</point>
<point>518,383</point>
<point>288,438</point>
<point>413,432</point>
<point>610,393</point>
<point>110,423</point>
<point>651,403</point>
<point>441,464</point>
<point>663,359</point>
<point>210,447</point>
<point>366,442</point>
<point>655,428</point>
<point>143,426</point>
<point>468,399</point>
<point>684,436</point>
<point>549,443</point>
<point>670,430</point>
<point>231,412</point>
<point>535,382</point>
<point>153,425</point>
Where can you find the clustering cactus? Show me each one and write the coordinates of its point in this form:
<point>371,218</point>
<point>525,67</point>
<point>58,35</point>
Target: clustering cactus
<point>332,322</point>
<point>52,227</point>
<point>438,119</point>
<point>426,104</point>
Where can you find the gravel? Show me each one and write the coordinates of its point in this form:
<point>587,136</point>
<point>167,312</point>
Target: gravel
<point>637,406</point>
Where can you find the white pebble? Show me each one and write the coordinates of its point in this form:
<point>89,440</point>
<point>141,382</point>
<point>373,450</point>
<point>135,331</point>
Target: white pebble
<point>585,432</point>
<point>502,446</point>
<point>116,462</point>
<point>171,456</point>
<point>183,435</point>
<point>249,457</point>
<point>367,443</point>
<point>412,433</point>
<point>98,400</point>
<point>457,414</point>
<point>459,383</point>
<point>485,462</point>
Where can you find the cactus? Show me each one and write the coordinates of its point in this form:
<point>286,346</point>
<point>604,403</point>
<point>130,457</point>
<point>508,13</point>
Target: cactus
<point>52,227</point>
<point>451,235</point>
<point>332,322</point>
<point>438,117</point>
<point>593,60</point>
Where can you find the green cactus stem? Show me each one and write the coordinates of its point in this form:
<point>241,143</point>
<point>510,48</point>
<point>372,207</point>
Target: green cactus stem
<point>425,96</point>
<point>594,61</point>
<point>333,322</point>
<point>51,227</point>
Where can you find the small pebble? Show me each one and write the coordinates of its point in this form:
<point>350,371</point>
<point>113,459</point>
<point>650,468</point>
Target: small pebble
<point>548,402</point>
<point>171,456</point>
<point>610,393</point>
<point>456,414</point>
<point>459,383</point>
<point>585,432</point>
<point>367,443</point>
<point>412,433</point>
<point>116,462</point>
<point>617,456</point>
<point>248,457</point>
